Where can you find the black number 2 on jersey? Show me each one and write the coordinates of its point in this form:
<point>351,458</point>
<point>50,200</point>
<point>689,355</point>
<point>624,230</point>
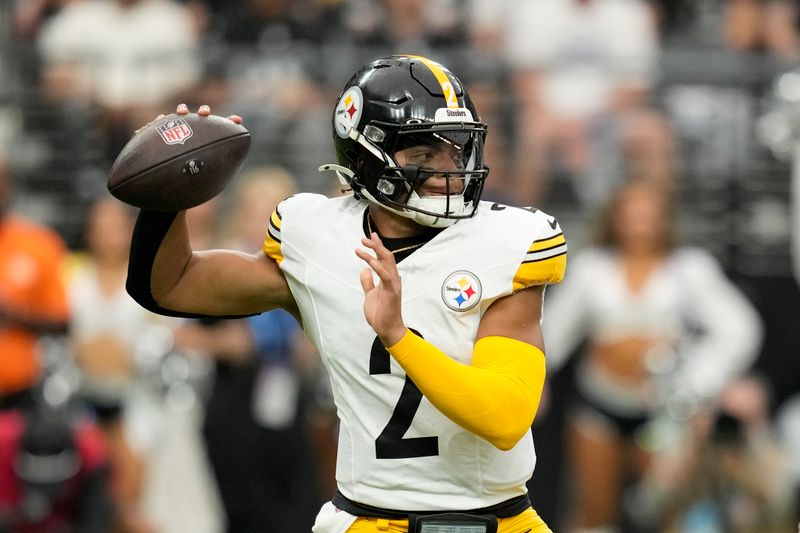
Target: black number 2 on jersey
<point>390,444</point>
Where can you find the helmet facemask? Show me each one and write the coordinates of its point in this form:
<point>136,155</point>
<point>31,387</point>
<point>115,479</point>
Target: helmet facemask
<point>450,154</point>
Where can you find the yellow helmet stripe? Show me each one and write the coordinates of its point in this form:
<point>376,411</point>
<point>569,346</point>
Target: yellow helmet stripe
<point>447,87</point>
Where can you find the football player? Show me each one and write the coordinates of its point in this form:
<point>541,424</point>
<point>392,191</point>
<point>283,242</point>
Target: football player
<point>424,302</point>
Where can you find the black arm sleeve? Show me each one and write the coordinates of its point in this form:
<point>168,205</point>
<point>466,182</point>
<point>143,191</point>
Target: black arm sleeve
<point>151,228</point>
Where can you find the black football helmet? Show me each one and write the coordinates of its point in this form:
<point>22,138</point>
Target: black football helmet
<point>400,102</point>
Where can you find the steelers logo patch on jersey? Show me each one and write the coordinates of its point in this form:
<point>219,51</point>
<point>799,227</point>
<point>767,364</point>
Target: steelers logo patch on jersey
<point>461,291</point>
<point>348,111</point>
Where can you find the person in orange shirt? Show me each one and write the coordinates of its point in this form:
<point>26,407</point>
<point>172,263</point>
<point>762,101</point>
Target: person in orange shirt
<point>33,299</point>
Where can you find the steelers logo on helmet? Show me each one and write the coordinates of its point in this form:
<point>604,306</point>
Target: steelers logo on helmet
<point>348,111</point>
<point>461,291</point>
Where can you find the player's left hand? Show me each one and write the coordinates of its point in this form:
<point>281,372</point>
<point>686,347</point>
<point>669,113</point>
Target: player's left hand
<point>382,301</point>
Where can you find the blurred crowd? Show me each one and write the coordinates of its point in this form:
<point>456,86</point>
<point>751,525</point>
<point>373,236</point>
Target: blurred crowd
<point>673,399</point>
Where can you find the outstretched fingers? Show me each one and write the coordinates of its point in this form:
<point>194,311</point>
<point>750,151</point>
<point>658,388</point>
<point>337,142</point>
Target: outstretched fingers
<point>204,111</point>
<point>382,299</point>
<point>367,283</point>
<point>183,109</point>
<point>376,265</point>
<point>374,243</point>
<point>382,262</point>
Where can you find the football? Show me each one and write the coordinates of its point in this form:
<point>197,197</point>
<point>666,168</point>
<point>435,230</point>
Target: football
<point>178,162</point>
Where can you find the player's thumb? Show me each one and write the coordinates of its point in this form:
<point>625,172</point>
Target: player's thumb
<point>367,283</point>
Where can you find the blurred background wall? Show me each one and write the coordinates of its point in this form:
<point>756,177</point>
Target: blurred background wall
<point>700,97</point>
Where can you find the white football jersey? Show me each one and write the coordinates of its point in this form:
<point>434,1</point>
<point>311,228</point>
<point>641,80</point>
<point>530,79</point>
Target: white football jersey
<point>397,451</point>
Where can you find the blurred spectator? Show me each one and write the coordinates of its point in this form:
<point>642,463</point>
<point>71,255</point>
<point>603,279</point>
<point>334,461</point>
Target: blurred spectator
<point>53,475</point>
<point>584,70</point>
<point>126,56</point>
<point>33,300</point>
<point>167,411</point>
<point>787,421</point>
<point>264,23</point>
<point>266,66</point>
<point>29,15</point>
<point>700,24</point>
<point>255,423</point>
<point>141,394</point>
<point>661,327</point>
<point>203,221</point>
<point>730,474</point>
<point>404,26</point>
<point>762,26</point>
<point>105,322</point>
<point>179,492</point>
<point>284,110</point>
<point>255,195</point>
<point>105,328</point>
<point>417,24</point>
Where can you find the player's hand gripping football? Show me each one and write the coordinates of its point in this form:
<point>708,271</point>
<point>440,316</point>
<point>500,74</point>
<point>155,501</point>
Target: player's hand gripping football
<point>179,161</point>
<point>182,109</point>
<point>382,301</point>
<point>204,111</point>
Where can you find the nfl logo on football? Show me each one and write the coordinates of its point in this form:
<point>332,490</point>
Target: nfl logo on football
<point>175,131</point>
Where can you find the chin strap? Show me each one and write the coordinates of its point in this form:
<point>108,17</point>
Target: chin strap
<point>436,204</point>
<point>432,204</point>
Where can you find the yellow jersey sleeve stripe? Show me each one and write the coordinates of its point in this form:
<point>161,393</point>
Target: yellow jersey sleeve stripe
<point>272,248</point>
<point>543,244</point>
<point>447,87</point>
<point>547,252</point>
<point>272,241</point>
<point>275,220</point>
<point>542,271</point>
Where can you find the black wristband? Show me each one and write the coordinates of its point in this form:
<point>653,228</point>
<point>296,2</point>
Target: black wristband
<point>148,233</point>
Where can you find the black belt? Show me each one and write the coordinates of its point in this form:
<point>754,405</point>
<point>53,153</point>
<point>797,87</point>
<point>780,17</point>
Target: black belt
<point>505,509</point>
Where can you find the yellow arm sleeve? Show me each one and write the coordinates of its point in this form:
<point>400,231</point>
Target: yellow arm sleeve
<point>495,398</point>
